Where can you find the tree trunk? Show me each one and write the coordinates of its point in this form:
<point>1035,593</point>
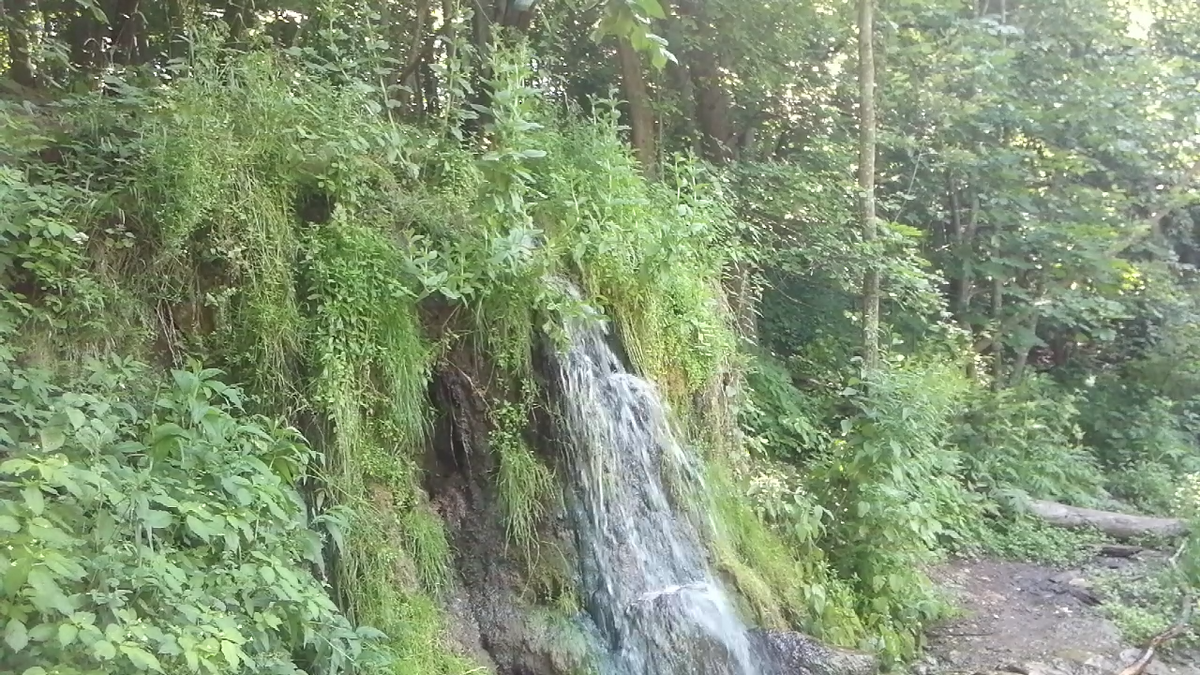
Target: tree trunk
<point>126,39</point>
<point>997,341</point>
<point>239,16</point>
<point>641,116</point>
<point>866,180</point>
<point>1018,372</point>
<point>15,14</point>
<point>1115,525</point>
<point>709,96</point>
<point>712,107</point>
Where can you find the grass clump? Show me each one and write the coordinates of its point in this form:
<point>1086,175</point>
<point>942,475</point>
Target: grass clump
<point>525,485</point>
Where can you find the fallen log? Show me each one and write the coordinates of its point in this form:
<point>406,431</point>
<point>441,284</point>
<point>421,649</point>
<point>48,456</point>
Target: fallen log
<point>1115,525</point>
<point>1119,550</point>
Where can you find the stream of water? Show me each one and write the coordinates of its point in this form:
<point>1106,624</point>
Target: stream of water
<point>645,578</point>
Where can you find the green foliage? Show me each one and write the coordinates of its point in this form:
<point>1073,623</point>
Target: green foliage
<point>891,492</point>
<point>524,484</point>
<point>41,247</point>
<point>1145,603</point>
<point>1025,442</point>
<point>782,422</point>
<point>649,253</point>
<point>1142,440</point>
<point>286,189</point>
<point>770,555</point>
<point>1018,536</point>
<point>159,531</point>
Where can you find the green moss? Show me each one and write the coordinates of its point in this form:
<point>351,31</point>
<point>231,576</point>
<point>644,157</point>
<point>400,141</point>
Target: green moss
<point>785,585</point>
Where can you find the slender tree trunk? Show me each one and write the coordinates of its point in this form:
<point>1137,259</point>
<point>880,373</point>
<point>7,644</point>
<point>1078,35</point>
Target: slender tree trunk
<point>15,14</point>
<point>1018,373</point>
<point>866,180</point>
<point>641,116</point>
<point>997,340</point>
<point>126,40</point>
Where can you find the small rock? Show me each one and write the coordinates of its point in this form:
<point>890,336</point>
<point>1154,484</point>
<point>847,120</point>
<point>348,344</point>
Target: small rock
<point>1128,656</point>
<point>1066,577</point>
<point>1039,668</point>
<point>1102,663</point>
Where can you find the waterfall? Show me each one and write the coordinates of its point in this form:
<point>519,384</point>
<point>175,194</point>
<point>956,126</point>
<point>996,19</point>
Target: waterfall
<point>645,579</point>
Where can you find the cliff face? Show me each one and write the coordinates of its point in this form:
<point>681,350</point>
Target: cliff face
<point>513,608</point>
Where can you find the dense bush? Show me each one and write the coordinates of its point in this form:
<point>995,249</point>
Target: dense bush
<point>155,528</point>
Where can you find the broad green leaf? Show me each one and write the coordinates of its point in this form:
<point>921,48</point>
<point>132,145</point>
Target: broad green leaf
<point>34,500</point>
<point>157,520</point>
<point>15,635</point>
<point>199,527</point>
<point>9,524</point>
<point>42,632</point>
<point>77,418</point>
<point>52,438</point>
<point>140,658</point>
<point>67,633</point>
<point>232,653</point>
<point>46,593</point>
<point>104,650</point>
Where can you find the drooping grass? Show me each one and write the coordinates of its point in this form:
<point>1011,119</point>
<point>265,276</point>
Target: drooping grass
<point>524,483</point>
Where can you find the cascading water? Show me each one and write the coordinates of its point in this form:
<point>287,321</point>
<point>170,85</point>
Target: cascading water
<point>644,573</point>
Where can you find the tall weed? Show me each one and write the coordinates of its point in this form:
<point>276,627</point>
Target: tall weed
<point>890,486</point>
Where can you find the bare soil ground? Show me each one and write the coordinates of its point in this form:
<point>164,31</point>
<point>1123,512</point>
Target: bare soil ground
<point>1030,619</point>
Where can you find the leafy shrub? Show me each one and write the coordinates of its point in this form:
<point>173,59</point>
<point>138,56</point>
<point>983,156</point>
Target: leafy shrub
<point>1142,441</point>
<point>890,486</point>
<point>770,554</point>
<point>159,531</point>
<point>1018,536</point>
<point>783,422</point>
<point>1025,441</point>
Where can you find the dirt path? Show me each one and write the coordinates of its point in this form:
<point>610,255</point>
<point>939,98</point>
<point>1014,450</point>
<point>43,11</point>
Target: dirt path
<point>1020,617</point>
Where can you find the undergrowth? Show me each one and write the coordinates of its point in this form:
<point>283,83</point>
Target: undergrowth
<point>154,526</point>
<point>256,216</point>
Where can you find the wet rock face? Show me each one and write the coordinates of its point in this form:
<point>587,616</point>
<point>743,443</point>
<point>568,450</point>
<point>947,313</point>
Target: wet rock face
<point>491,615</point>
<point>663,631</point>
<point>653,608</point>
<point>792,653</point>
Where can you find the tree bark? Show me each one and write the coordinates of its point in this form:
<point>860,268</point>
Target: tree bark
<point>641,116</point>
<point>709,96</point>
<point>712,106</point>
<point>1115,525</point>
<point>997,341</point>
<point>15,15</point>
<point>866,180</point>
<point>239,16</point>
<point>128,21</point>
